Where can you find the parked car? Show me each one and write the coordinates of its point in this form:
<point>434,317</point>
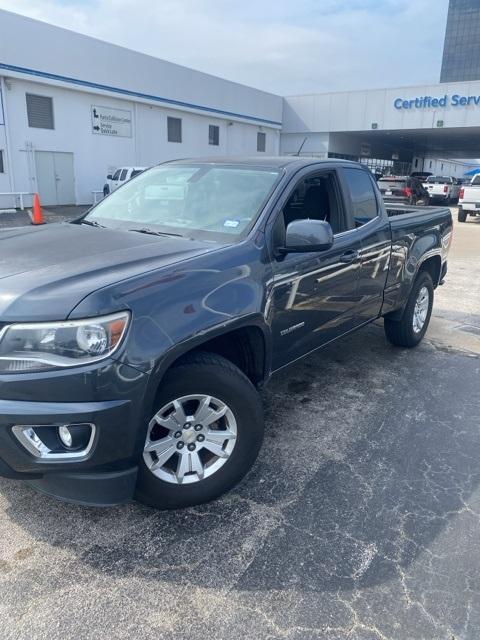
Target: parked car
<point>469,199</point>
<point>403,189</point>
<point>135,372</point>
<point>442,188</point>
<point>120,176</point>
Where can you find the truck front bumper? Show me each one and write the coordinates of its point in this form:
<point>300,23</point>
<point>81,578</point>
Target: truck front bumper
<point>109,397</point>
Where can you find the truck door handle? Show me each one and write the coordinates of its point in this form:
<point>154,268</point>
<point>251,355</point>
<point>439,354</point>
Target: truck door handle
<point>349,256</point>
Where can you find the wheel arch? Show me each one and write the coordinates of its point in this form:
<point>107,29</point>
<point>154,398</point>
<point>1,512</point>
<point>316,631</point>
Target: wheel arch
<point>433,266</point>
<point>247,344</point>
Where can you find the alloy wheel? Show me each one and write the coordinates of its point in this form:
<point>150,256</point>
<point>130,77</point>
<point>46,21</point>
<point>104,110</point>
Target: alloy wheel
<point>420,310</point>
<point>189,439</point>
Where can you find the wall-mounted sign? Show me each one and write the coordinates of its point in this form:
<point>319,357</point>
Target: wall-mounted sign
<point>427,102</point>
<point>365,149</point>
<point>111,122</point>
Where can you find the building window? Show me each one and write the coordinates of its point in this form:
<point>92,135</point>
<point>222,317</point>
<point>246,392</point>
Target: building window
<point>39,111</point>
<point>2,168</point>
<point>174,127</point>
<point>213,134</point>
<point>261,141</point>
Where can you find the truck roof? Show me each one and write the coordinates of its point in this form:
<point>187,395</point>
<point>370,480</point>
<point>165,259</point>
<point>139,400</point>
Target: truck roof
<point>277,162</point>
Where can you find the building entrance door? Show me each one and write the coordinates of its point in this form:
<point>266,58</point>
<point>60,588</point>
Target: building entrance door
<point>55,177</point>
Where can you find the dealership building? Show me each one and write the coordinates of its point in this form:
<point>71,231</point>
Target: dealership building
<point>73,109</point>
<point>406,129</point>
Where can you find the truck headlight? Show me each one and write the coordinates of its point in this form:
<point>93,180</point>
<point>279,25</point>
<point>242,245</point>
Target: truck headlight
<point>39,346</point>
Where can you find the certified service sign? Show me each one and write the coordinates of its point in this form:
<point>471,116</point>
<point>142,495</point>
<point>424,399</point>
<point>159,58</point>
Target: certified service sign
<point>111,122</point>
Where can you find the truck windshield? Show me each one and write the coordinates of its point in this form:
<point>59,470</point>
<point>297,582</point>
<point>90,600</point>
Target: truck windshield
<point>192,200</point>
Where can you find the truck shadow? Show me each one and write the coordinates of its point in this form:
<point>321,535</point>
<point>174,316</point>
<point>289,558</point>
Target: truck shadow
<point>370,453</point>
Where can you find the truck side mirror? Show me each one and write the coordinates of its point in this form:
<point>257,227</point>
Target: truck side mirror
<point>109,177</point>
<point>303,236</point>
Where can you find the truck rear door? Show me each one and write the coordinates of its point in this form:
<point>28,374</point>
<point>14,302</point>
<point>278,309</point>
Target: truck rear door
<point>375,236</point>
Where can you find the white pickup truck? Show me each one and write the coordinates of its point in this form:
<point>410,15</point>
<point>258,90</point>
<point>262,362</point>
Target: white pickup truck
<point>121,175</point>
<point>469,199</point>
<point>442,188</point>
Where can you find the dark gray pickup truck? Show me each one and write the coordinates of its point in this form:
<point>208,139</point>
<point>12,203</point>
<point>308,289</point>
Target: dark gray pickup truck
<point>133,340</point>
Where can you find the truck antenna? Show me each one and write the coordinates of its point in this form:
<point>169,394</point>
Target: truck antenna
<point>301,146</point>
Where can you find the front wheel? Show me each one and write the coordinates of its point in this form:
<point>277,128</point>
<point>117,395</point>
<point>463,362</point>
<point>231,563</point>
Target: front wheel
<point>204,435</point>
<point>462,215</point>
<point>409,331</point>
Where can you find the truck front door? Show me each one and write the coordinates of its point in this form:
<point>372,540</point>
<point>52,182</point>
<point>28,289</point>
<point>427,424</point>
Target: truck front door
<point>314,296</point>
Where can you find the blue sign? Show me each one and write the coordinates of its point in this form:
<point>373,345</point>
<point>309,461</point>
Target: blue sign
<point>427,102</point>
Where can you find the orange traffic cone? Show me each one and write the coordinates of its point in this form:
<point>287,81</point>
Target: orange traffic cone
<point>37,217</point>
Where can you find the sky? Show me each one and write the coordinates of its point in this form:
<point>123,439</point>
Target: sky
<point>287,47</point>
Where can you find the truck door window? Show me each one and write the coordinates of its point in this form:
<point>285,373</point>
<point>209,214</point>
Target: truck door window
<point>116,175</point>
<point>317,198</point>
<point>364,200</point>
<point>123,175</point>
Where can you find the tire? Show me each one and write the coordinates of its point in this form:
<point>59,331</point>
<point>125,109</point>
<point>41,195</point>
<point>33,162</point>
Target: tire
<point>462,215</point>
<point>403,333</point>
<point>204,375</point>
<point>106,190</point>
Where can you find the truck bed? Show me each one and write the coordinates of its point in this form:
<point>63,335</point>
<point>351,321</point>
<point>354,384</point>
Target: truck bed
<point>407,217</point>
<point>405,209</point>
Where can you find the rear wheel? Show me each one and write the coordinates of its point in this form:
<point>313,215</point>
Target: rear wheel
<point>409,331</point>
<point>462,215</point>
<point>204,435</point>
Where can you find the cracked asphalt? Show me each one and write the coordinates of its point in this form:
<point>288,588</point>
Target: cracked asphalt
<point>360,519</point>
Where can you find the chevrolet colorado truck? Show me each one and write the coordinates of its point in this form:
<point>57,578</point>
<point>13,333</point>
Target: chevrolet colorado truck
<point>133,340</point>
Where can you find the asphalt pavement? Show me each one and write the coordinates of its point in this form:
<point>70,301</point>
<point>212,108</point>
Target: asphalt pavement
<point>360,519</point>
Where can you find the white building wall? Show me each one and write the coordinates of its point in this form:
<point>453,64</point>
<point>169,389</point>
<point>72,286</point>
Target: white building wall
<point>95,155</point>
<point>443,167</point>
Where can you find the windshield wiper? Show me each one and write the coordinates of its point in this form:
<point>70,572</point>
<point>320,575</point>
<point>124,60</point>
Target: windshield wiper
<point>152,232</point>
<point>92,223</point>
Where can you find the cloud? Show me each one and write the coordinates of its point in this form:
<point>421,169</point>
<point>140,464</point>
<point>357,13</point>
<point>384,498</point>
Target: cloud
<point>285,47</point>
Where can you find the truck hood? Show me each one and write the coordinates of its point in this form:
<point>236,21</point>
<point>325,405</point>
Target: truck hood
<point>46,271</point>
